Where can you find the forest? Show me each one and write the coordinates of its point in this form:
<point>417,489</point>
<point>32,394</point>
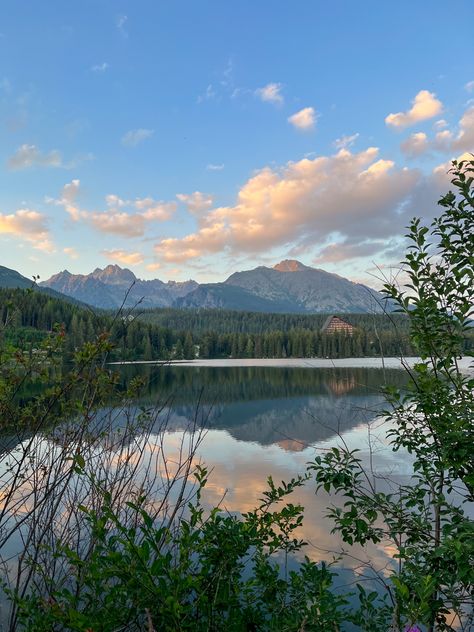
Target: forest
<point>185,334</point>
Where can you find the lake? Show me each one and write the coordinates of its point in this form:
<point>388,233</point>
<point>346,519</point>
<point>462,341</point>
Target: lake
<point>252,422</point>
<point>264,420</point>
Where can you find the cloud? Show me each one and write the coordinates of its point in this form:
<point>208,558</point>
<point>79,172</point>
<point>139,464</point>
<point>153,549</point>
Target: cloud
<point>30,156</point>
<point>29,225</point>
<point>228,74</point>
<point>154,210</point>
<point>114,200</point>
<point>303,203</point>
<point>99,68</point>
<point>441,124</point>
<point>120,23</point>
<point>114,223</point>
<point>27,156</point>
<point>271,93</point>
<point>212,167</point>
<point>196,202</point>
<point>444,140</point>
<point>345,251</point>
<point>68,199</point>
<point>223,87</point>
<point>345,141</point>
<point>304,120</point>
<point>465,138</point>
<point>209,94</point>
<point>127,218</point>
<point>153,266</point>
<point>71,252</point>
<point>469,87</point>
<point>425,106</point>
<point>416,145</point>
<point>123,256</point>
<point>136,136</point>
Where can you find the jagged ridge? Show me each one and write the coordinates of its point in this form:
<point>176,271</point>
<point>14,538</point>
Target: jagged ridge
<point>290,286</point>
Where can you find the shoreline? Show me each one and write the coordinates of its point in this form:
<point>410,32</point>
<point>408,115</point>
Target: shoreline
<point>466,364</point>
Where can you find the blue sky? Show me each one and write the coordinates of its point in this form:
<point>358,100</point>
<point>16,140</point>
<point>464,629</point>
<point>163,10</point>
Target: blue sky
<point>191,139</point>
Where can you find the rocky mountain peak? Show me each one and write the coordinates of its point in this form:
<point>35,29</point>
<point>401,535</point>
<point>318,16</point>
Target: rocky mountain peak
<point>289,265</point>
<point>114,274</point>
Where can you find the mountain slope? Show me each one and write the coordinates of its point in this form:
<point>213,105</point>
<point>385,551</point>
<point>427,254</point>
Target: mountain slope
<point>12,279</point>
<point>227,296</point>
<point>290,286</point>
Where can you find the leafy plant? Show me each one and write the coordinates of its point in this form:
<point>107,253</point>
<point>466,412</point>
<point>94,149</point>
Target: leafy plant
<point>427,520</point>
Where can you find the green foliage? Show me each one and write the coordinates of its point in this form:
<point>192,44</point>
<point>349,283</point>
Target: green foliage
<point>427,520</point>
<point>190,576</point>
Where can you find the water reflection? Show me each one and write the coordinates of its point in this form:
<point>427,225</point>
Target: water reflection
<point>259,422</point>
<point>293,408</point>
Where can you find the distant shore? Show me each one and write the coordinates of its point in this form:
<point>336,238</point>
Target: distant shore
<point>299,363</point>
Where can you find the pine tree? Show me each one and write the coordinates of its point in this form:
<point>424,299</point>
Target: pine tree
<point>188,347</point>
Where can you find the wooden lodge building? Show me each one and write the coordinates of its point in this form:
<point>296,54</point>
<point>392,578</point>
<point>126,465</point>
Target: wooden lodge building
<point>334,324</point>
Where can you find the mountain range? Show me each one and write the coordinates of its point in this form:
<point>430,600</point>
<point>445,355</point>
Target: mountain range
<point>113,286</point>
<point>288,287</point>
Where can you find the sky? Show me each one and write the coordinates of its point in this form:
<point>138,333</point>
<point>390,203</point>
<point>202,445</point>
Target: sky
<point>189,139</point>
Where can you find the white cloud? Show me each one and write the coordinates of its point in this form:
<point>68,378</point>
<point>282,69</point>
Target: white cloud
<point>444,141</point>
<point>416,145</point>
<point>99,68</point>
<point>31,156</point>
<point>196,202</point>
<point>114,201</point>
<point>209,94</point>
<point>441,124</point>
<point>71,252</point>
<point>345,141</point>
<point>469,87</point>
<point>29,225</point>
<point>213,167</point>
<point>120,23</point>
<point>465,138</point>
<point>68,200</point>
<point>153,266</point>
<point>425,106</point>
<point>154,210</point>
<point>304,120</point>
<point>271,93</point>
<point>116,223</point>
<point>136,136</point>
<point>122,217</point>
<point>304,202</point>
<point>124,256</point>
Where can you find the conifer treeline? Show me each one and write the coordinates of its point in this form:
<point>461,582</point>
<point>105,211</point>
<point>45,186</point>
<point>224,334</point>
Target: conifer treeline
<point>224,321</point>
<point>186,334</point>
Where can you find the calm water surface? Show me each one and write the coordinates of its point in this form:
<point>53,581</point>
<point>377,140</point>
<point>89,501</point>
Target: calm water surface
<point>269,421</point>
<point>273,421</point>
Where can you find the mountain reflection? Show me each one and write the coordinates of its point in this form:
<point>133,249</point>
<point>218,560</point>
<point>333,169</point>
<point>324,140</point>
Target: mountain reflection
<point>288,407</point>
<point>293,408</point>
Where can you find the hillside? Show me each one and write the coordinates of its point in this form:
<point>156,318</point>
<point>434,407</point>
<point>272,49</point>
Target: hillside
<point>11,279</point>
